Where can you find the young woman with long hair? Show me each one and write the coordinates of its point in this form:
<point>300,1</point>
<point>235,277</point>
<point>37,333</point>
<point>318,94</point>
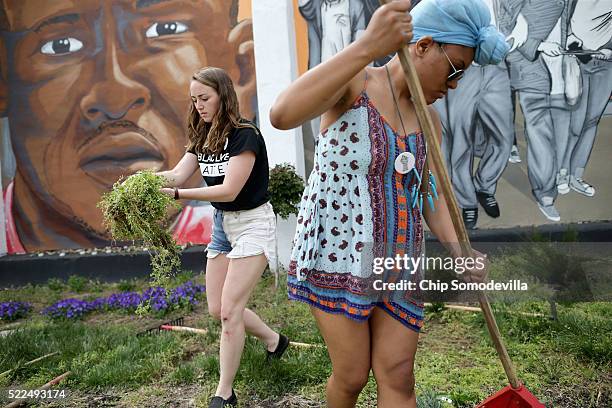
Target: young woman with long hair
<point>231,155</point>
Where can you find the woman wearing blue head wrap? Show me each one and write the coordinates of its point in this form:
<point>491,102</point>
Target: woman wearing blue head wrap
<point>461,22</point>
<point>371,187</point>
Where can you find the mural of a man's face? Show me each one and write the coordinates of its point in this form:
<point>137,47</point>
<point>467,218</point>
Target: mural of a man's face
<point>96,89</point>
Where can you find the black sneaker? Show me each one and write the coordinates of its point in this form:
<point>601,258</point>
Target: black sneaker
<point>283,343</point>
<point>470,216</point>
<point>219,402</point>
<point>489,203</point>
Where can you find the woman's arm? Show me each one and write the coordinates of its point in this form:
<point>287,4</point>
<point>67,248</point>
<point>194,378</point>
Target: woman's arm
<point>324,86</point>
<point>237,173</point>
<point>182,171</point>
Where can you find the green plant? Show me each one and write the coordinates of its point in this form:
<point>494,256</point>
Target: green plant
<point>435,307</point>
<point>96,286</point>
<point>55,284</point>
<point>182,277</point>
<point>136,209</point>
<point>430,399</point>
<point>77,284</point>
<point>126,285</point>
<point>465,399</point>
<point>286,188</point>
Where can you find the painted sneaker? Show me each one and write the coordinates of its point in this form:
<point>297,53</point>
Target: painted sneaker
<point>547,207</point>
<point>219,402</point>
<point>470,217</point>
<point>489,203</point>
<point>580,186</point>
<point>563,182</point>
<point>514,155</point>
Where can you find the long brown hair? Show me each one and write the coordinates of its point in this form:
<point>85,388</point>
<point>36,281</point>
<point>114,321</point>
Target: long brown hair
<point>211,137</point>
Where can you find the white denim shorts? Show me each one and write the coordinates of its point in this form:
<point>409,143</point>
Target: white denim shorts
<point>240,234</point>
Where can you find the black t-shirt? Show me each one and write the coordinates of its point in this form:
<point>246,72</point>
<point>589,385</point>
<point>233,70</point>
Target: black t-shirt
<point>213,167</point>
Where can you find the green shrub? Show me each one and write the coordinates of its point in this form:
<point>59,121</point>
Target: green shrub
<point>126,285</point>
<point>77,284</point>
<point>55,284</point>
<point>286,188</point>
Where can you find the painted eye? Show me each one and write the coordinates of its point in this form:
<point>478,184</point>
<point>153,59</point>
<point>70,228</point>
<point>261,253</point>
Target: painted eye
<point>165,28</point>
<point>61,46</point>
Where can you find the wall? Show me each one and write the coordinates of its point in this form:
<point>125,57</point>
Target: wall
<point>555,122</point>
<point>61,77</point>
<point>98,89</point>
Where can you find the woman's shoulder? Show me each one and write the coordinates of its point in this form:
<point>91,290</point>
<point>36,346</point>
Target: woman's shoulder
<point>246,134</point>
<point>357,84</point>
<point>245,124</point>
<point>246,128</point>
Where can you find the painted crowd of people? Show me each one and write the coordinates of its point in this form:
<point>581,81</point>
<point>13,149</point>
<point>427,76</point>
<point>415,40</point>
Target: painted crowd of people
<point>558,73</point>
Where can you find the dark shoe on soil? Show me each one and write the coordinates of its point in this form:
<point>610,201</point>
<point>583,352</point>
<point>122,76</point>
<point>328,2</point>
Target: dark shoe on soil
<point>219,402</point>
<point>283,343</point>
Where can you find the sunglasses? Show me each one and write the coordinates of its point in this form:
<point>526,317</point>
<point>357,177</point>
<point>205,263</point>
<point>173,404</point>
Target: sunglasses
<point>457,73</point>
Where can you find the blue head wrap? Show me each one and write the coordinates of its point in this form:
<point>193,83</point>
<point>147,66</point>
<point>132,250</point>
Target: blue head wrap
<point>461,22</point>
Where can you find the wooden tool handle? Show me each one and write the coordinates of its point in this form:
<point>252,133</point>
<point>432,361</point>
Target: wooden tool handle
<point>183,328</point>
<point>36,360</point>
<point>306,345</point>
<point>55,381</point>
<point>46,386</point>
<point>428,129</point>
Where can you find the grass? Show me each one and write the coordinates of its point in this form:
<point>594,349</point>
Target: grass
<point>566,363</point>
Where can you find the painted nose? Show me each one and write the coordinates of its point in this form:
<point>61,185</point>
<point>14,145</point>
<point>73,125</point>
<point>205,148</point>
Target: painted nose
<point>116,96</point>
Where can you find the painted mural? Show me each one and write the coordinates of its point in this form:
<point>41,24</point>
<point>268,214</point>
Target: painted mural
<point>333,24</point>
<point>540,109</point>
<point>98,89</point>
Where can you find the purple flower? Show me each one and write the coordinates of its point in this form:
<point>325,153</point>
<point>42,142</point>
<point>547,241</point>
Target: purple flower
<point>98,304</point>
<point>14,310</point>
<point>160,301</point>
<point>68,308</point>
<point>186,294</point>
<point>124,300</point>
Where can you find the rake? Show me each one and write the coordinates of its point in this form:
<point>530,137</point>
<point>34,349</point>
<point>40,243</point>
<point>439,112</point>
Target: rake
<point>514,395</point>
<point>177,325</point>
<point>157,329</point>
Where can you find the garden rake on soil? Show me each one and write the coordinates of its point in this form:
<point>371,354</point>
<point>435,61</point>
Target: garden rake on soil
<point>514,395</point>
<point>177,325</point>
<point>178,322</point>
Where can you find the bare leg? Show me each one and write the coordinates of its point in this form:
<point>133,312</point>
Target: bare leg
<point>348,345</point>
<point>242,276</point>
<point>216,271</point>
<point>393,349</point>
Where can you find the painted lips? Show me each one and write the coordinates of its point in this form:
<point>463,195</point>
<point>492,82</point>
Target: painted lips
<point>119,151</point>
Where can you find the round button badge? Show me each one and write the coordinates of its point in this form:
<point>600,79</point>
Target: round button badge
<point>404,162</point>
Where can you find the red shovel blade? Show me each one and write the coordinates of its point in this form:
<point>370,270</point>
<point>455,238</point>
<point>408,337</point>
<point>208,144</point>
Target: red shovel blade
<point>509,397</point>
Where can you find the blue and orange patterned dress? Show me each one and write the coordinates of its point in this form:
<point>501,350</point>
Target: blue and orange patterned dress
<point>354,202</point>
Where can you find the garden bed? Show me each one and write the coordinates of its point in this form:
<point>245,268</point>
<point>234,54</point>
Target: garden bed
<point>566,363</point>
